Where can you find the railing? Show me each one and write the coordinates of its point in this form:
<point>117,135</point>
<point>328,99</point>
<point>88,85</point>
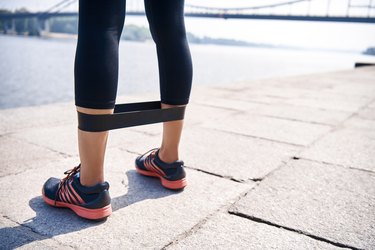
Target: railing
<point>284,10</point>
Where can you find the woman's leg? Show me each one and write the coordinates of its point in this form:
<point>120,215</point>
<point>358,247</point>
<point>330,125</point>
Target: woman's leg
<point>92,147</point>
<point>171,139</point>
<point>166,20</point>
<point>96,77</point>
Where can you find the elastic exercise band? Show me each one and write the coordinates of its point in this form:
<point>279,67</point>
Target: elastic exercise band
<point>128,115</point>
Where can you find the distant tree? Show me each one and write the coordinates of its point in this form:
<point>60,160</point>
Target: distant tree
<point>5,11</point>
<point>21,23</point>
<point>64,25</point>
<point>369,51</point>
<point>193,38</point>
<point>2,22</point>
<point>135,33</point>
<point>32,27</point>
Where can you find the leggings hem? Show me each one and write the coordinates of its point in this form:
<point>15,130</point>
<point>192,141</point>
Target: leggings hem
<point>176,102</point>
<point>111,105</point>
<point>95,105</point>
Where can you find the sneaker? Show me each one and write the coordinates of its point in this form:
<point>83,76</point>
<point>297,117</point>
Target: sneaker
<point>172,175</point>
<point>92,202</point>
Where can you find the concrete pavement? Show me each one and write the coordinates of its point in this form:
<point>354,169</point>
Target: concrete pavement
<point>286,163</point>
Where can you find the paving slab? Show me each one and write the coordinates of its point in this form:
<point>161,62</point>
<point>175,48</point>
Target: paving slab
<point>251,93</point>
<point>141,139</point>
<point>228,103</point>
<point>359,77</point>
<point>269,88</point>
<point>59,138</point>
<point>312,113</point>
<point>308,82</point>
<point>294,132</point>
<point>17,155</point>
<point>331,101</point>
<point>13,235</point>
<point>133,140</point>
<point>17,119</point>
<point>233,156</point>
<point>301,113</point>
<point>195,114</point>
<point>349,147</point>
<point>338,90</point>
<point>141,206</point>
<point>358,122</point>
<point>205,92</point>
<point>361,88</point>
<point>243,131</point>
<point>355,82</point>
<point>259,97</point>
<point>330,202</point>
<point>225,231</point>
<point>367,113</point>
<point>45,116</point>
<point>250,158</point>
<point>298,84</point>
<point>65,138</point>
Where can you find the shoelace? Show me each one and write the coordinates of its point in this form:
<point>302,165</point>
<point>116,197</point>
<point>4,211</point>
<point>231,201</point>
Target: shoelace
<point>149,159</point>
<point>149,151</point>
<point>69,173</point>
<point>153,153</point>
<point>150,155</point>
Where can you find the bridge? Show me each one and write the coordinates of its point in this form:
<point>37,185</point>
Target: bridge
<point>293,10</point>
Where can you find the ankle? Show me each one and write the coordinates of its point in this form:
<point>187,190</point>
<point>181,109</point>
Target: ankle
<point>167,156</point>
<point>89,179</point>
<point>90,183</point>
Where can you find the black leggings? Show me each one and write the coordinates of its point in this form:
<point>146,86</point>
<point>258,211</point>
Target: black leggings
<point>96,60</point>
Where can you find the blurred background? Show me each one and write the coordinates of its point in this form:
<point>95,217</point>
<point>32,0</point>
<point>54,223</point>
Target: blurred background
<point>230,40</point>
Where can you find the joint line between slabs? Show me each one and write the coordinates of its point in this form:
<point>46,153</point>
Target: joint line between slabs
<point>339,125</point>
<point>335,164</point>
<point>315,237</point>
<point>258,137</point>
<point>216,175</point>
<point>202,222</point>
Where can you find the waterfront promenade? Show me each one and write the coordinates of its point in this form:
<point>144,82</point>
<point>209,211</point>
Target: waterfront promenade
<point>285,163</point>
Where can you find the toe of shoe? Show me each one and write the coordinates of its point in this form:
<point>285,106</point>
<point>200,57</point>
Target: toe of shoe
<point>50,187</point>
<point>139,162</point>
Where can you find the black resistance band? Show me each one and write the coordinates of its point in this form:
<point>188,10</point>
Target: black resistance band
<point>128,115</point>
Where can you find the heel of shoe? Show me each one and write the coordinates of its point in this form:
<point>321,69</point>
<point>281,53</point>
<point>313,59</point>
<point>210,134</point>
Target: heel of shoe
<point>86,213</point>
<point>174,185</point>
<point>92,214</point>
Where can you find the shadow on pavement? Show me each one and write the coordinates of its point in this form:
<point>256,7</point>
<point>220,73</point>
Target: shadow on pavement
<point>140,188</point>
<point>50,221</point>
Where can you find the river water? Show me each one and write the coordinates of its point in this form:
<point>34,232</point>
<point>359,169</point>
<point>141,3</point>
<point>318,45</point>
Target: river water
<point>35,71</point>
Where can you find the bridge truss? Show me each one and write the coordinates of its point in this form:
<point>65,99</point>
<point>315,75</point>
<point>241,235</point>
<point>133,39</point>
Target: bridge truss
<point>362,11</point>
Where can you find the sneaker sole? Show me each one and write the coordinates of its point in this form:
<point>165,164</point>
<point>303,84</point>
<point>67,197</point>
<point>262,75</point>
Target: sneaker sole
<point>175,185</point>
<point>87,213</point>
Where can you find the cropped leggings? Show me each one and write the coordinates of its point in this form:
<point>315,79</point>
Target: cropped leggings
<point>96,60</point>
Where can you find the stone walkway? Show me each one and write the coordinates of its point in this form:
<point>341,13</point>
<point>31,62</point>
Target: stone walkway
<point>283,163</point>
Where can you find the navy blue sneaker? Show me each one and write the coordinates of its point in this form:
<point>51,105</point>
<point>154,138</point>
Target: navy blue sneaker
<point>172,175</point>
<point>92,202</point>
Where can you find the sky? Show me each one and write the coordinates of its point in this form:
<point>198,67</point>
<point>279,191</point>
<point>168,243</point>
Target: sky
<point>326,35</point>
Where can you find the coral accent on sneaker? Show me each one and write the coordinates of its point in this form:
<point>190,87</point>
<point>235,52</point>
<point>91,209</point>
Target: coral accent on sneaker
<point>179,184</point>
<point>150,165</point>
<point>92,214</point>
